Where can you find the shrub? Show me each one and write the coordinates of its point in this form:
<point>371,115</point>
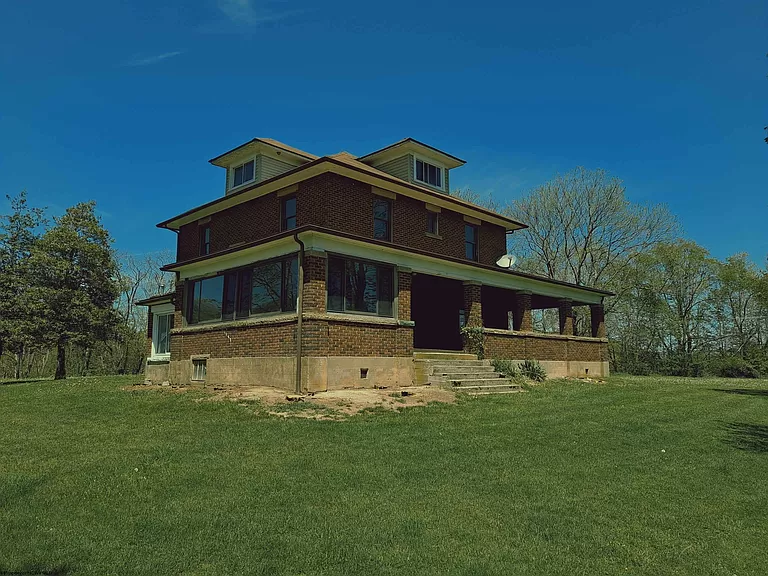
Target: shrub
<point>735,367</point>
<point>532,370</point>
<point>474,340</point>
<point>506,367</point>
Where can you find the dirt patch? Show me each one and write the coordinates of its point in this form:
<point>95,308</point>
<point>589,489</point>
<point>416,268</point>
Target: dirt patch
<point>331,405</point>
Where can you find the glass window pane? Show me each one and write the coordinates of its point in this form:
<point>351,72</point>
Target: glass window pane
<point>290,207</point>
<point>161,336</point>
<point>335,284</point>
<point>244,300</point>
<point>248,171</point>
<point>381,209</point>
<point>290,284</point>
<point>194,303</point>
<point>469,233</point>
<point>238,176</point>
<point>385,291</point>
<point>228,308</point>
<point>439,178</point>
<point>361,289</point>
<point>419,170</point>
<point>265,288</point>
<point>380,230</point>
<point>211,292</point>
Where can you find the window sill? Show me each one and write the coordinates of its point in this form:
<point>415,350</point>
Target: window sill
<point>162,359</point>
<point>357,318</point>
<point>435,236</point>
<point>234,324</point>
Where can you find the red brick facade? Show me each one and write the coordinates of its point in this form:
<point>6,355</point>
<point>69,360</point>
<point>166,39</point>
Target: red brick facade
<point>517,346</point>
<point>346,205</point>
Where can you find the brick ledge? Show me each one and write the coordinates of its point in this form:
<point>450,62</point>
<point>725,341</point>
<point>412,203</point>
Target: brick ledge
<point>542,335</point>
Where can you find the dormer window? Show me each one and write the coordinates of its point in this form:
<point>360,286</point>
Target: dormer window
<point>243,173</point>
<point>429,173</point>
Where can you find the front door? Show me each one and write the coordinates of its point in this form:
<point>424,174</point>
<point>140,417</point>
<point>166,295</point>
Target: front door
<point>436,304</point>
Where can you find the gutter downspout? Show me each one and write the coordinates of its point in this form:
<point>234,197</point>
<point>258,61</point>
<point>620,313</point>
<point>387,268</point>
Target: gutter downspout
<point>299,312</point>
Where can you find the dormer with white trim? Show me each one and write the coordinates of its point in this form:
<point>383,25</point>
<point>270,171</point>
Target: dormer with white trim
<point>258,160</point>
<point>415,162</point>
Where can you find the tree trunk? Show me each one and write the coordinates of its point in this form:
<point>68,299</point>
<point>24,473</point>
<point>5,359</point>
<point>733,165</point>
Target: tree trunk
<point>19,361</point>
<point>61,369</point>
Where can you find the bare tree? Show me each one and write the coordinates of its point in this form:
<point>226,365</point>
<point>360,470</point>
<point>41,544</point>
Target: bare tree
<point>582,229</point>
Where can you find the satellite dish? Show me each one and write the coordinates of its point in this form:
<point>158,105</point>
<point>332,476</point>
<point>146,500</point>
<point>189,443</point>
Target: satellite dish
<point>506,261</point>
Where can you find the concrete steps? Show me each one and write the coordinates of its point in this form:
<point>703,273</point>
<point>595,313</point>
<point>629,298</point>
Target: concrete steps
<point>461,372</point>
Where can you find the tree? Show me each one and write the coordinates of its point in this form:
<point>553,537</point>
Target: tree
<point>682,278</point>
<point>737,302</point>
<point>18,235</point>
<point>582,229</point>
<point>73,272</point>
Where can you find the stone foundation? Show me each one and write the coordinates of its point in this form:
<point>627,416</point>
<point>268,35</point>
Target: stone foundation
<point>318,373</point>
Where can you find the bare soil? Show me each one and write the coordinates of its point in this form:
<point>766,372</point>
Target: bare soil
<point>331,405</point>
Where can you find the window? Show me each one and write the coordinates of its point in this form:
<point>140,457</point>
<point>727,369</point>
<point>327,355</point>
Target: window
<point>358,286</point>
<point>382,219</point>
<point>199,369</point>
<point>243,173</point>
<point>429,173</point>
<point>161,334</point>
<point>266,288</point>
<point>205,239</point>
<point>205,302</point>
<point>470,241</point>
<point>288,213</point>
<point>432,224</point>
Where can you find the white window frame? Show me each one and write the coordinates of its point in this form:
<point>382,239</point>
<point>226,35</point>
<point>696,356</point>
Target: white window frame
<point>436,165</point>
<point>157,311</point>
<point>232,173</point>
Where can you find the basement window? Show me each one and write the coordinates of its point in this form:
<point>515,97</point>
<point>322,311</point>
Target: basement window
<point>199,369</point>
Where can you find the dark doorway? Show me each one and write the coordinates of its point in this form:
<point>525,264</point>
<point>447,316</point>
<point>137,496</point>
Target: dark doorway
<point>436,304</point>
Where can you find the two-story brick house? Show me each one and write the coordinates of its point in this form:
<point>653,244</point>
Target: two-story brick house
<point>332,270</point>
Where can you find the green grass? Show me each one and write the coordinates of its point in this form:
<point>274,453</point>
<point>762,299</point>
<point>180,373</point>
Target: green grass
<point>637,476</point>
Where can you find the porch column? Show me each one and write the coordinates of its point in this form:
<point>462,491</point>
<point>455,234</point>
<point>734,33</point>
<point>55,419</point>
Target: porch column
<point>521,315</point>
<point>404,293</point>
<point>473,305</point>
<point>566,316</point>
<point>597,312</point>
<point>314,281</point>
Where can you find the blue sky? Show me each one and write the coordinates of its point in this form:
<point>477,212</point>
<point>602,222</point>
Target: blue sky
<point>124,102</point>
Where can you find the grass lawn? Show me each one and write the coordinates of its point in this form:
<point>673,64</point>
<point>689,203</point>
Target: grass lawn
<point>637,476</point>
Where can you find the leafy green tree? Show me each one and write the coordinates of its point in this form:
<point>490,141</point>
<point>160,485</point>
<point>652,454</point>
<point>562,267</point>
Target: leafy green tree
<point>74,287</point>
<point>19,231</point>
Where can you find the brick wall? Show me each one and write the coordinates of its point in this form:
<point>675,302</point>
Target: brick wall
<point>340,203</point>
<point>516,346</point>
<point>236,341</point>
<point>404,295</point>
<point>314,283</point>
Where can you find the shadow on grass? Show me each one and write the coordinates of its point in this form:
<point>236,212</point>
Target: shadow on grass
<point>743,391</point>
<point>750,437</point>
<point>30,571</point>
<point>14,383</point>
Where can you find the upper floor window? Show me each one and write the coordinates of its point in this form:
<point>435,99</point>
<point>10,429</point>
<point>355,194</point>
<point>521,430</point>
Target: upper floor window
<point>243,173</point>
<point>288,213</point>
<point>429,173</point>
<point>205,239</point>
<point>470,241</point>
<point>359,286</point>
<point>382,219</point>
<point>432,223</point>
<point>267,287</point>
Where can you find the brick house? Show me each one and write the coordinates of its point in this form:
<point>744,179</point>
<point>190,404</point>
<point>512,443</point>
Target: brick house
<point>331,271</point>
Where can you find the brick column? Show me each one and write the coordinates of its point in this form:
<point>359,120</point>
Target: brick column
<point>314,281</point>
<point>522,321</point>
<point>566,316</point>
<point>404,276</point>
<point>597,312</point>
<point>473,305</point>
